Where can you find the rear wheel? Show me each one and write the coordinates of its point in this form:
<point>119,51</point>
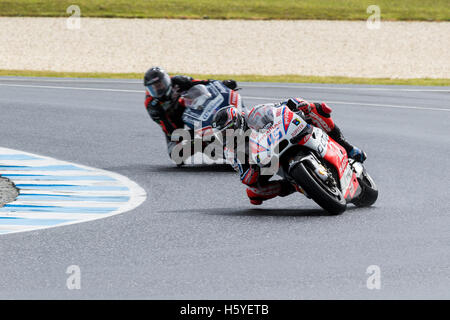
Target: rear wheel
<point>327,196</point>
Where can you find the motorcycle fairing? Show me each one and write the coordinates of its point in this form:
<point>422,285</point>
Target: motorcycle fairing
<point>337,156</point>
<point>221,97</point>
<point>264,143</point>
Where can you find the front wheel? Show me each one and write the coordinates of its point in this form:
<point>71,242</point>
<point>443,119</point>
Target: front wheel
<point>328,197</point>
<point>369,192</point>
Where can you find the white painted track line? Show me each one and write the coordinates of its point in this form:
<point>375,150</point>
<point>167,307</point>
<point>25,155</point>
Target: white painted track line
<point>444,89</point>
<point>245,97</point>
<point>245,85</point>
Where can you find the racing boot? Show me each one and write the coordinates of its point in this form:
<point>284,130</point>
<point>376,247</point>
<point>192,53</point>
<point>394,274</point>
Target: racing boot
<point>352,151</point>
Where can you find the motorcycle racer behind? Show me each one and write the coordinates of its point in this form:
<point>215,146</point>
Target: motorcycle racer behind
<point>260,117</point>
<point>163,102</point>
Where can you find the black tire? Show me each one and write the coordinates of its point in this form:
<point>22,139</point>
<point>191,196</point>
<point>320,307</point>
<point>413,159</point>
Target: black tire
<point>331,200</point>
<point>179,165</point>
<point>369,193</point>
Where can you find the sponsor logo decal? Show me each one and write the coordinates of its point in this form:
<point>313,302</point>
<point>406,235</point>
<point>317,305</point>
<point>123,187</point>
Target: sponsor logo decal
<point>278,112</point>
<point>234,98</point>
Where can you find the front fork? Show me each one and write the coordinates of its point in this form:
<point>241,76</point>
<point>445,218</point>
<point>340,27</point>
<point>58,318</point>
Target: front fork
<point>312,162</point>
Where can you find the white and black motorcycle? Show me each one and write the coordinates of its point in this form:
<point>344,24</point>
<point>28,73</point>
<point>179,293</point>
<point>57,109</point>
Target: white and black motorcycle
<point>202,103</point>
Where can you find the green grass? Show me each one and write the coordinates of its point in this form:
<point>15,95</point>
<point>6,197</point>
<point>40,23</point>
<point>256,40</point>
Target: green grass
<point>242,78</point>
<point>428,10</point>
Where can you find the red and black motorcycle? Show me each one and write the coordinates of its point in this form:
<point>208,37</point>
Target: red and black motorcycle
<point>316,164</point>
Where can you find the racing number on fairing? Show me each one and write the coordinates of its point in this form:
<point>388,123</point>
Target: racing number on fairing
<point>323,143</point>
<point>280,134</point>
<point>271,138</point>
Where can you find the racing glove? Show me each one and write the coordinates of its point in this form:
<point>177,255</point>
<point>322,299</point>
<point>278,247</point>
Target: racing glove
<point>155,111</point>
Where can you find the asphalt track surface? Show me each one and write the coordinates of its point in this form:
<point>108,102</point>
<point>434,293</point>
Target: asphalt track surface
<point>197,236</point>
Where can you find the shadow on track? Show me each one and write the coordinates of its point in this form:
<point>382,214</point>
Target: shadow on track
<point>197,168</point>
<point>249,212</point>
<point>260,212</point>
<point>143,168</point>
<point>263,212</point>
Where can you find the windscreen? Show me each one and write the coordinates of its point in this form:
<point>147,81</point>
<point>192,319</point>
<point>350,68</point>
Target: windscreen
<point>196,96</point>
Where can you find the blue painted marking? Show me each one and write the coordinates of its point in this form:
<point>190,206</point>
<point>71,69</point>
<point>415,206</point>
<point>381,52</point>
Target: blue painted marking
<point>31,222</point>
<point>42,168</point>
<point>3,166</point>
<point>58,197</point>
<point>17,157</point>
<point>56,178</point>
<point>71,197</point>
<point>32,208</point>
<point>70,187</point>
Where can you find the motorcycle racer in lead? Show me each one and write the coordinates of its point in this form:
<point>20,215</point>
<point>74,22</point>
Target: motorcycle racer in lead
<point>163,102</point>
<point>259,188</point>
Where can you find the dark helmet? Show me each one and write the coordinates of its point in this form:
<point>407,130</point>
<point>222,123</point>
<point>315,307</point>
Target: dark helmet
<point>228,118</point>
<point>157,82</point>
